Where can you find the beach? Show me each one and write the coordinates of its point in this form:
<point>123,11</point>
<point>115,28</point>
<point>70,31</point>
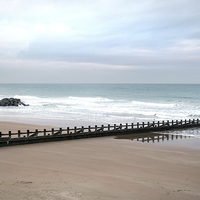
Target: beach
<point>97,168</point>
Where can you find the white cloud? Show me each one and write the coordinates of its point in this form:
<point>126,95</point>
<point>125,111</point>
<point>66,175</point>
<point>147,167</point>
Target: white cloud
<point>113,35</point>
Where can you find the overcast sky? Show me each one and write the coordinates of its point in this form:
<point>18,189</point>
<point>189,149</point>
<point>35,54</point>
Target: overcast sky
<point>99,41</point>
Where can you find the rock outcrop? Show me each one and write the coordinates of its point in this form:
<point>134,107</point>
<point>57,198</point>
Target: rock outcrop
<point>12,102</point>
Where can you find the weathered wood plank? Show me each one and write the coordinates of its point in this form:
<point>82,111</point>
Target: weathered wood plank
<point>77,133</point>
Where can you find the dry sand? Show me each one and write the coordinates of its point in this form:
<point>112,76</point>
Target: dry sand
<point>98,168</point>
<point>14,127</point>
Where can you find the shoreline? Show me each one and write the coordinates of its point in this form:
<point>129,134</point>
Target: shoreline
<point>53,123</point>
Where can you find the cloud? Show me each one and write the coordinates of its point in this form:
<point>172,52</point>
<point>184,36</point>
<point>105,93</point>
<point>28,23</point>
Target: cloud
<point>115,34</point>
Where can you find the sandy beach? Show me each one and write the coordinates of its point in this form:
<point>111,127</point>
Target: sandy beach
<point>97,168</point>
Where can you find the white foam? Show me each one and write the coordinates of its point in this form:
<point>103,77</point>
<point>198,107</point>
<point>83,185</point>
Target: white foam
<point>99,109</point>
<point>151,104</point>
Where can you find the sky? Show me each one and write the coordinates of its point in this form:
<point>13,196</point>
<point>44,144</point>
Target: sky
<point>99,41</point>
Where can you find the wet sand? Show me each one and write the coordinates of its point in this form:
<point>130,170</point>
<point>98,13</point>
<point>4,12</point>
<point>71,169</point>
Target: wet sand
<point>98,168</point>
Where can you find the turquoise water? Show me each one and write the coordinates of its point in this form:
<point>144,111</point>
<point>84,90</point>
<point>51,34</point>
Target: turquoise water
<point>105,103</point>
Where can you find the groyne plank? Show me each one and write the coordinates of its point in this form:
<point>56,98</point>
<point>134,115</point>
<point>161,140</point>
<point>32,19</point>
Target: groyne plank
<point>37,136</point>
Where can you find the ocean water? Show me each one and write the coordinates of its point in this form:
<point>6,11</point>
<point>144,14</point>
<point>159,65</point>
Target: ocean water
<point>102,103</point>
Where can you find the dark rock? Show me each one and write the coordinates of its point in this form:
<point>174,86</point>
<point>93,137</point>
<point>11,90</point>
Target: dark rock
<point>11,102</point>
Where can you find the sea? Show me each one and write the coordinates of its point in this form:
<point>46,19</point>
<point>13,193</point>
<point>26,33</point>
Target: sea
<point>102,103</point>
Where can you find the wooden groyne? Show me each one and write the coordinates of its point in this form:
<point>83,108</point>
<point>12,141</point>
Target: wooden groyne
<point>17,138</point>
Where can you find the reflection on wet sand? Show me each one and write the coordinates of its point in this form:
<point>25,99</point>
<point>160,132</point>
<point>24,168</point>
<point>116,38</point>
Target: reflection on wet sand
<point>151,137</point>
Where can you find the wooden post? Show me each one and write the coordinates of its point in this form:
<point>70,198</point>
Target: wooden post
<point>138,125</point>
<point>114,126</point>
<point>120,126</point>
<point>181,122</point>
<point>19,133</point>
<point>0,134</point>
<point>172,122</point>
<point>142,124</point>
<point>74,129</point>
<point>10,134</point>
<point>153,124</point>
<point>168,122</point>
<point>28,133</point>
<point>82,129</point>
<point>108,127</point>
<point>197,121</point>
<point>60,131</point>
<point>36,131</point>
<point>148,124</point>
<point>132,126</point>
<point>89,129</point>
<point>126,125</point>
<point>158,123</point>
<point>163,123</point>
<point>189,121</point>
<point>52,131</point>
<point>102,126</point>
<point>45,132</point>
<point>67,130</point>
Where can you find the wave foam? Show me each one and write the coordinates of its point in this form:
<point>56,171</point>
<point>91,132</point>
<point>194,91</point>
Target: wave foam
<point>100,109</point>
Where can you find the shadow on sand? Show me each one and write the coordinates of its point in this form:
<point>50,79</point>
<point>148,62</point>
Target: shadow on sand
<point>151,137</point>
